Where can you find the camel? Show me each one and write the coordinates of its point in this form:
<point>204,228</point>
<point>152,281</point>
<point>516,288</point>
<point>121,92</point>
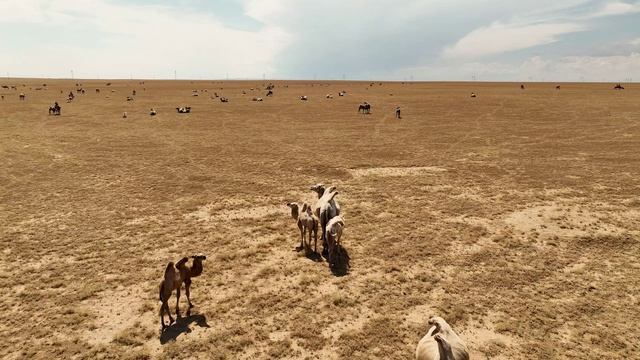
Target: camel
<point>129,98</point>
<point>365,108</point>
<point>124,115</point>
<point>224,99</point>
<point>307,223</point>
<point>55,109</point>
<point>304,98</point>
<point>269,92</point>
<point>342,93</point>
<point>22,96</point>
<point>184,110</point>
<point>329,96</point>
<point>2,96</point>
<point>522,87</point>
<point>557,87</point>
<point>618,87</point>
<point>152,112</point>
<point>97,91</point>
<point>473,95</point>
<point>334,233</point>
<point>256,99</point>
<point>325,209</point>
<point>441,343</point>
<point>398,112</point>
<point>133,93</point>
<point>174,276</point>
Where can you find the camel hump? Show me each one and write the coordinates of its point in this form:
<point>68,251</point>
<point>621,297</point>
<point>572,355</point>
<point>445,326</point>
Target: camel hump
<point>182,262</point>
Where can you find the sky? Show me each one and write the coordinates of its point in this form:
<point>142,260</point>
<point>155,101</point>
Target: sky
<point>456,40</point>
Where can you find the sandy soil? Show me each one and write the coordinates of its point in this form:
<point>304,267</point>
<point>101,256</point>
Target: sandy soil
<point>514,215</point>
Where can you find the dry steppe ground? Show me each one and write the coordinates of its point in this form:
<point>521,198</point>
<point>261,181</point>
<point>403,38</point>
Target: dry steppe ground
<point>514,215</point>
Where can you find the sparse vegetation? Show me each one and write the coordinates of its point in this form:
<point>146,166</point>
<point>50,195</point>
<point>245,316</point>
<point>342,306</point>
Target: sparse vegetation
<point>513,215</point>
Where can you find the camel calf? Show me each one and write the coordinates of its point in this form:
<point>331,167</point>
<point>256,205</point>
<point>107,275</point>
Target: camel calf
<point>174,276</point>
<point>307,223</point>
<point>334,233</point>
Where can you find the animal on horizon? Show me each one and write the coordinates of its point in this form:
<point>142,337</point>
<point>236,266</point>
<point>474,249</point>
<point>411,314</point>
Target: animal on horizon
<point>365,108</point>
<point>55,109</point>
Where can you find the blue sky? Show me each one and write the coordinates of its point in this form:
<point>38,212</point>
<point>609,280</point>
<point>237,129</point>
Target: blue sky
<point>550,40</point>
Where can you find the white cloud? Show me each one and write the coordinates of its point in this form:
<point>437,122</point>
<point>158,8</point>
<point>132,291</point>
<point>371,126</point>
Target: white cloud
<point>147,41</point>
<point>500,38</point>
<point>615,8</point>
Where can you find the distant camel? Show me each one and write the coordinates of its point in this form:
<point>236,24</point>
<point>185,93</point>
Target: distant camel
<point>365,108</point>
<point>129,98</point>
<point>97,91</point>
<point>184,110</point>
<point>224,99</point>
<point>618,87</point>
<point>329,96</point>
<point>473,95</point>
<point>304,98</point>
<point>557,87</point>
<point>22,96</point>
<point>342,93</point>
<point>257,99</point>
<point>522,87</point>
<point>398,113</point>
<point>152,112</point>
<point>55,109</point>
<point>270,92</point>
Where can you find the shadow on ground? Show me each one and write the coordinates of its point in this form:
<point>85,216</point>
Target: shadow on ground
<point>181,326</point>
<point>340,266</point>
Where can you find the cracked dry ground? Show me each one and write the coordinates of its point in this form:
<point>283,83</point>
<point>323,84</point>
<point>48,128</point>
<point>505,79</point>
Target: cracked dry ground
<point>514,215</point>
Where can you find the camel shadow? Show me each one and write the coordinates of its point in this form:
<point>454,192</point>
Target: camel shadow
<point>181,326</point>
<point>340,266</point>
<point>312,255</point>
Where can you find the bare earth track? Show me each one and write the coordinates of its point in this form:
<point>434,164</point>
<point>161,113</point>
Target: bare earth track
<point>514,215</point>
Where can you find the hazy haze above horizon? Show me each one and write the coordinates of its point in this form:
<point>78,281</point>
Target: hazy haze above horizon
<point>543,40</point>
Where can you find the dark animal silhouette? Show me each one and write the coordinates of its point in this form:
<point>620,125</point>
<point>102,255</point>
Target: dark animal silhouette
<point>55,109</point>
<point>365,108</point>
<point>618,87</point>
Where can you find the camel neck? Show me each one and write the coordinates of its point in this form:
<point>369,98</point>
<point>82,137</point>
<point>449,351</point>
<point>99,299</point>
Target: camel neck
<point>196,269</point>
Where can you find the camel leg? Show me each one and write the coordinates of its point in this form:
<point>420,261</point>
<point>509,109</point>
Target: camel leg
<point>315,239</point>
<point>301,239</point>
<point>324,239</point>
<point>178,302</point>
<point>162,315</point>
<point>187,285</point>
